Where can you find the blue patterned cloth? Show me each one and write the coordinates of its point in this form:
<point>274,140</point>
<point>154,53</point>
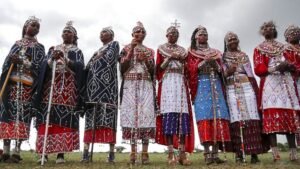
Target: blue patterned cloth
<point>102,86</point>
<point>203,102</point>
<point>171,123</point>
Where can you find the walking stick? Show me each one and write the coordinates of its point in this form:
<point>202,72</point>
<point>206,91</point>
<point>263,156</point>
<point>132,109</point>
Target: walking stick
<point>19,104</point>
<point>237,86</point>
<point>6,80</point>
<point>48,112</point>
<point>94,130</point>
<point>19,97</point>
<point>220,123</point>
<point>94,123</point>
<point>180,116</point>
<point>216,108</point>
<point>136,118</point>
<point>213,92</point>
<point>181,108</point>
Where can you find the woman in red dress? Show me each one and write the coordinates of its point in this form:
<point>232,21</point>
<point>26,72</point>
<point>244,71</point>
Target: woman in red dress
<point>278,98</point>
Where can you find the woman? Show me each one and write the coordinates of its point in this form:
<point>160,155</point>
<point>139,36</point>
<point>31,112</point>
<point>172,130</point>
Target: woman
<point>206,88</point>
<point>137,94</point>
<point>25,58</point>
<point>63,129</point>
<point>102,95</point>
<point>292,55</point>
<point>278,97</point>
<point>241,87</point>
<point>175,122</point>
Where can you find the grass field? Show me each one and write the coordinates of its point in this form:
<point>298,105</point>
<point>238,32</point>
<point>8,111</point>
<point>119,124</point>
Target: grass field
<point>158,161</point>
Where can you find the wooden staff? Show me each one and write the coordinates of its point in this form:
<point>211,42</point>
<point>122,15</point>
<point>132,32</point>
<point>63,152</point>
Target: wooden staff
<point>137,106</point>
<point>6,81</point>
<point>95,105</point>
<point>94,131</point>
<point>213,94</point>
<point>180,114</point>
<point>216,107</point>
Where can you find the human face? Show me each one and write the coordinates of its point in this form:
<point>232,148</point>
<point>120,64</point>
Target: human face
<point>202,38</point>
<point>172,37</point>
<point>293,39</point>
<point>105,37</point>
<point>139,35</point>
<point>233,44</point>
<point>32,29</point>
<point>269,32</point>
<point>68,37</point>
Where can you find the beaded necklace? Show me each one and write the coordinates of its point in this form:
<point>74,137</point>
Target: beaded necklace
<point>271,48</point>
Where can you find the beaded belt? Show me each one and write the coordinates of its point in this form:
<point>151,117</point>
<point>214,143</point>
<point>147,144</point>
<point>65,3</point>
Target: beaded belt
<point>137,76</point>
<point>240,79</point>
<point>174,71</point>
<point>205,70</point>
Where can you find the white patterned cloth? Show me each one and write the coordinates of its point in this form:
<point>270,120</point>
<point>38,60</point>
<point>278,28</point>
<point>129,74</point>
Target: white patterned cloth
<point>173,96</point>
<point>278,95</point>
<point>248,101</point>
<point>137,98</point>
<point>138,68</point>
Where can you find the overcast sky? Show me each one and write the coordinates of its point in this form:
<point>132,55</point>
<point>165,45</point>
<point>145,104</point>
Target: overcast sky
<point>243,17</point>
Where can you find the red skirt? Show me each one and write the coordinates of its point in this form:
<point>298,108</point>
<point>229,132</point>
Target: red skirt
<point>279,121</point>
<point>13,131</point>
<point>252,137</point>
<point>207,132</point>
<point>59,139</point>
<point>102,135</point>
<point>9,128</point>
<point>139,134</point>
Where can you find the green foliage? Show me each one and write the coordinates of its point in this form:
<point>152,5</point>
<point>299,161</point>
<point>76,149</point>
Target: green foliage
<point>283,147</point>
<point>198,150</point>
<point>120,149</point>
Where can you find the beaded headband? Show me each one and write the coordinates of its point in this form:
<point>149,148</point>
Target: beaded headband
<point>201,31</point>
<point>69,27</point>
<point>292,32</point>
<point>109,30</point>
<point>32,19</point>
<point>139,26</point>
<point>229,36</point>
<point>172,29</point>
<point>267,24</point>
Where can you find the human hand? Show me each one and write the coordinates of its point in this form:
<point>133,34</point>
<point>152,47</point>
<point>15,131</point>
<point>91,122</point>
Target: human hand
<point>16,59</point>
<point>57,54</point>
<point>141,56</point>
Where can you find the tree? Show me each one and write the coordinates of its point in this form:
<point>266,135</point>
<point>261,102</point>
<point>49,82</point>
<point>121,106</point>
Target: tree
<point>120,149</point>
<point>282,147</point>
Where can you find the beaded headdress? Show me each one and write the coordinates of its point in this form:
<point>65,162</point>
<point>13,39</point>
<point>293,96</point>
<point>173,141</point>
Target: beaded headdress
<point>201,30</point>
<point>267,24</point>
<point>69,27</point>
<point>109,30</point>
<point>292,32</point>
<point>139,26</point>
<point>229,36</point>
<point>31,19</point>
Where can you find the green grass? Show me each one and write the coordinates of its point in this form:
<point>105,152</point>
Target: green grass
<point>158,161</point>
